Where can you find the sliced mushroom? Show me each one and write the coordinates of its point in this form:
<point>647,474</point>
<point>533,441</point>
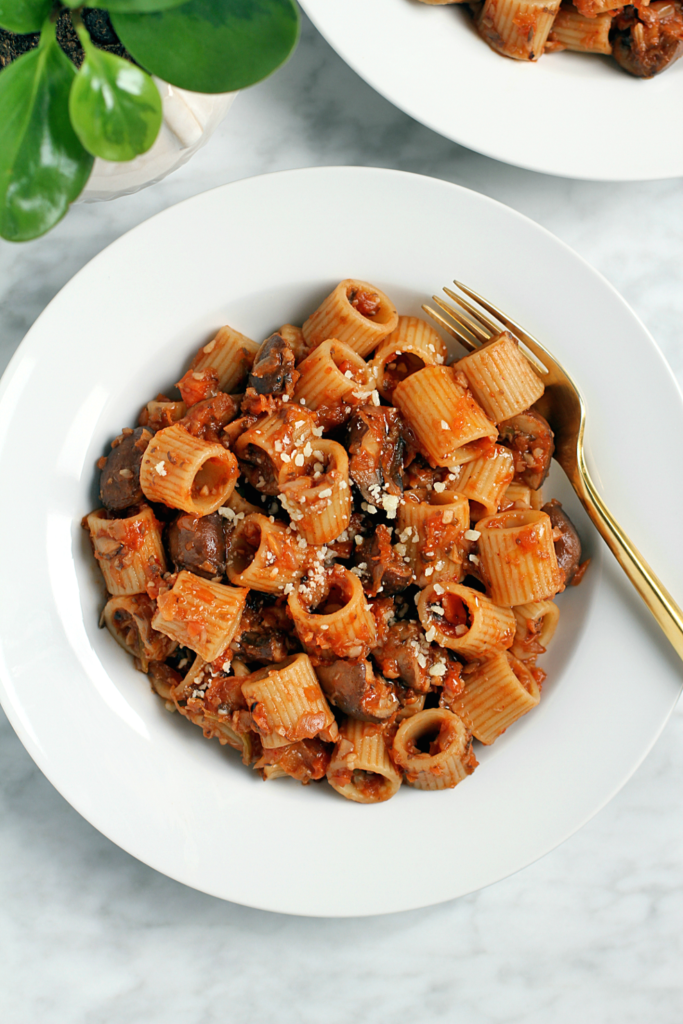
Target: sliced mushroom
<point>530,439</point>
<point>383,569</point>
<point>197,543</point>
<point>406,655</point>
<point>568,544</point>
<point>207,418</point>
<point>357,691</point>
<point>129,620</point>
<point>273,372</point>
<point>376,452</point>
<point>304,761</point>
<point>120,476</point>
<point>264,634</point>
<point>647,40</point>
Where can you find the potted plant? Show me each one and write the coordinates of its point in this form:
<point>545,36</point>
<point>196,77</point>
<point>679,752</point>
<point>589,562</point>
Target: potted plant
<point>78,85</point>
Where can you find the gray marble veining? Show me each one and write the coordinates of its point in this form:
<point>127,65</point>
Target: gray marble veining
<point>592,932</point>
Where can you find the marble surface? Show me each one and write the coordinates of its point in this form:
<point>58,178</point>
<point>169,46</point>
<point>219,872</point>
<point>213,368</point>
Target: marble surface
<point>592,932</point>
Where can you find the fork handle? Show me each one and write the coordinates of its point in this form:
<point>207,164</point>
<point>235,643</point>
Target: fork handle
<point>668,615</point>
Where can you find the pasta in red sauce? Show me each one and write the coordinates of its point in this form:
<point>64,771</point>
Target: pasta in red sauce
<point>334,563</point>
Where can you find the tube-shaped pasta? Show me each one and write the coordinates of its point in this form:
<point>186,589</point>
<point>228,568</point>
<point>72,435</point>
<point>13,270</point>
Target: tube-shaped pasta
<point>200,614</point>
<point>129,620</point>
<point>269,448</point>
<point>515,496</point>
<point>187,472</point>
<point>501,378</point>
<point>572,31</point>
<point>263,555</point>
<point>464,620</point>
<point>412,346</point>
<point>334,379</point>
<point>496,694</point>
<point>449,425</point>
<point>448,757</point>
<point>430,536</point>
<point>356,313</point>
<point>361,769</point>
<point>287,704</point>
<point>517,28</point>
<point>537,499</point>
<point>319,501</point>
<point>484,480</point>
<point>517,557</point>
<point>231,355</point>
<point>536,623</point>
<point>591,8</point>
<point>341,622</point>
<point>128,551</point>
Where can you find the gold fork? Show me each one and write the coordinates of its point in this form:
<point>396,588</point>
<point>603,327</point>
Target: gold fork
<point>564,409</point>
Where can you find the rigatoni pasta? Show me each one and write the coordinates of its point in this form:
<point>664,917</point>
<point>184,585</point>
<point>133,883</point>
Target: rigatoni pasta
<point>413,345</point>
<point>451,428</point>
<point>644,39</point>
<point>434,749</point>
<point>346,572</point>
<point>187,472</point>
<point>129,550</point>
<point>517,556</point>
<point>356,313</point>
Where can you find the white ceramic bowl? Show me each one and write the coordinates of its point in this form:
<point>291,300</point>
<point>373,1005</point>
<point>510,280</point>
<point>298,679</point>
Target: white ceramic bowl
<point>256,254</point>
<point>574,114</point>
<point>189,120</point>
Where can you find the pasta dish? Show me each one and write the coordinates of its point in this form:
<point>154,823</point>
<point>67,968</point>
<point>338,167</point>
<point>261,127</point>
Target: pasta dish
<point>330,550</point>
<point>644,38</point>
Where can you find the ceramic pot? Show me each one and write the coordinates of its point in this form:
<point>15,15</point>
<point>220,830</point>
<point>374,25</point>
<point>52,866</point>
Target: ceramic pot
<point>189,119</point>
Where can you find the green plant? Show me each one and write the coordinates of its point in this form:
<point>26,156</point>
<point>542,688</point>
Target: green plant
<point>54,119</point>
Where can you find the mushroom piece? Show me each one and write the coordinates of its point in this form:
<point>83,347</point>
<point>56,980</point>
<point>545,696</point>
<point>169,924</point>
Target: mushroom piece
<point>357,691</point>
<point>406,655</point>
<point>375,449</point>
<point>207,418</point>
<point>383,569</point>
<point>120,476</point>
<point>304,761</point>
<point>530,439</point>
<point>197,543</point>
<point>264,634</point>
<point>568,544</point>
<point>647,40</point>
<point>273,372</point>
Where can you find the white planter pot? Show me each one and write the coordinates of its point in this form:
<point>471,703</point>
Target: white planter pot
<point>189,119</point>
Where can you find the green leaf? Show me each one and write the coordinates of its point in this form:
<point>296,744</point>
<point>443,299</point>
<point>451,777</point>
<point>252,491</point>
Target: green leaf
<point>142,6</point>
<point>212,45</point>
<point>43,166</point>
<point>115,107</point>
<point>24,15</point>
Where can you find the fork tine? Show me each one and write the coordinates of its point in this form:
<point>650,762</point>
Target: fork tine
<point>480,333</point>
<point>469,343</point>
<point>508,322</point>
<point>473,311</point>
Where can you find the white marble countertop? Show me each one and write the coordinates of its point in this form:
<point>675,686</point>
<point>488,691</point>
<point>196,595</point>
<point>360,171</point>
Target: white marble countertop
<point>592,932</point>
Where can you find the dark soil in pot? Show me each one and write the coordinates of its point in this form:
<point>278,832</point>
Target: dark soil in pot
<point>97,23</point>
